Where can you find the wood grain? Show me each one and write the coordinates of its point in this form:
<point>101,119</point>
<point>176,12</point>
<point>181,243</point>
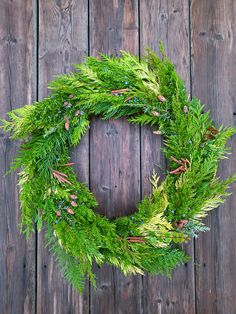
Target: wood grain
<point>214,68</point>
<point>63,40</point>
<point>167,21</point>
<point>116,159</point>
<point>17,87</point>
<point>114,155</point>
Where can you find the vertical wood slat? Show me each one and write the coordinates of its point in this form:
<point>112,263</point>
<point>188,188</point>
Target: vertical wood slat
<point>114,155</point>
<point>214,68</point>
<point>17,86</point>
<point>63,40</point>
<point>167,21</point>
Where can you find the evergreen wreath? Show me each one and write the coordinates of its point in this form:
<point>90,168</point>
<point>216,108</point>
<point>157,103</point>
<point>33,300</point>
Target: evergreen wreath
<point>146,91</point>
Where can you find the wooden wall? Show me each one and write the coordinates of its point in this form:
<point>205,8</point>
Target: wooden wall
<point>41,38</point>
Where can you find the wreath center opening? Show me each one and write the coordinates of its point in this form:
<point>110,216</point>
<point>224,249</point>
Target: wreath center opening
<point>116,166</point>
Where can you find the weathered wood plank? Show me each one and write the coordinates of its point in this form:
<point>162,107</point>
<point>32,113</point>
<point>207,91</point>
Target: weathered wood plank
<point>63,36</point>
<point>214,77</point>
<point>63,40</point>
<point>167,21</point>
<point>17,87</point>
<point>114,155</point>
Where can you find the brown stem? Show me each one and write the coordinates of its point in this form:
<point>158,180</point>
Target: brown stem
<point>116,91</point>
<point>60,173</point>
<point>176,160</point>
<point>178,170</point>
<point>60,178</point>
<point>127,99</point>
<point>136,239</point>
<point>69,164</point>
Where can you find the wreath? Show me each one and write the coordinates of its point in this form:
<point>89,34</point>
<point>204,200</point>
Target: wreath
<point>146,91</point>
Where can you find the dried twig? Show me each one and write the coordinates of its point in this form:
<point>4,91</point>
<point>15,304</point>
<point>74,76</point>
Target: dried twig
<point>61,177</point>
<point>182,168</point>
<point>117,91</point>
<point>128,98</point>
<point>136,239</point>
<point>69,164</point>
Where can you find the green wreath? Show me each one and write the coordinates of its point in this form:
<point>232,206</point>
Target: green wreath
<point>146,91</point>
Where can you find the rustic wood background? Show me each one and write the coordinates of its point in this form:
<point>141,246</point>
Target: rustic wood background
<point>41,38</point>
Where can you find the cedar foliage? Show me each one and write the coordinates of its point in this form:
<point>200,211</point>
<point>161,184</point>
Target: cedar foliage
<point>146,91</point>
